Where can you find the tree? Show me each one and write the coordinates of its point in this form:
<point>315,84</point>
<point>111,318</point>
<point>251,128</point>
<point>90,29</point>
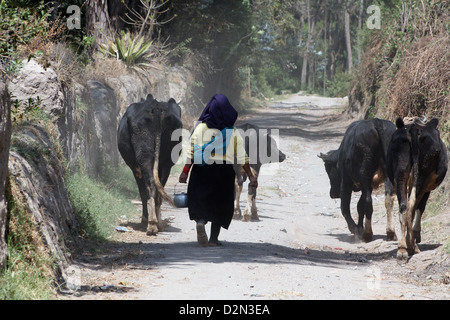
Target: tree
<point>307,13</point>
<point>5,137</point>
<point>348,42</point>
<point>219,34</point>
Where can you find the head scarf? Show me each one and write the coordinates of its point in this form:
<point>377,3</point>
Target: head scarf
<point>219,113</point>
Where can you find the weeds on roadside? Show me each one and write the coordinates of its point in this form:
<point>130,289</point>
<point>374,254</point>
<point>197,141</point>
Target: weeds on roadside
<point>98,209</point>
<point>28,272</point>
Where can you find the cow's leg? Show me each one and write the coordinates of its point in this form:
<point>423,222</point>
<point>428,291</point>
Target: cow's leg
<point>237,208</point>
<point>254,208</point>
<point>411,208</point>
<point>389,204</point>
<point>159,222</point>
<point>247,209</point>
<point>143,193</point>
<point>402,254</point>
<point>254,190</point>
<point>251,205</point>
<point>418,220</point>
<point>152,227</point>
<point>365,210</point>
<point>346,193</point>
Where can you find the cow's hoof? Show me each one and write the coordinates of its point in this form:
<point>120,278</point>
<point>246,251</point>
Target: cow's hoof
<point>367,237</point>
<point>255,218</point>
<point>246,218</point>
<point>237,215</point>
<point>359,232</point>
<point>152,230</point>
<point>391,236</point>
<point>402,255</point>
<point>417,236</point>
<point>416,249</point>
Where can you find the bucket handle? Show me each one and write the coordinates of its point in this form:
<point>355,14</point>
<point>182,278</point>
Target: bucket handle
<point>174,187</point>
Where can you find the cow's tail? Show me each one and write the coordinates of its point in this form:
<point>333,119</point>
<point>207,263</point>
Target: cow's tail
<point>415,164</point>
<point>158,183</point>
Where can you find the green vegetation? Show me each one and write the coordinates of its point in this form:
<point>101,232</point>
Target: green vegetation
<point>242,48</point>
<point>401,71</point>
<point>99,209</point>
<point>28,274</point>
<point>339,86</point>
<point>19,25</point>
<point>133,51</point>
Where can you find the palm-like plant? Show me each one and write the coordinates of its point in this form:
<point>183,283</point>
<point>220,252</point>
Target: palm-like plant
<point>134,52</point>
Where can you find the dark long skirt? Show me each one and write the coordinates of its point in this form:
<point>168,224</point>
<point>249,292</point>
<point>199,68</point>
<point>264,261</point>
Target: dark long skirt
<point>211,193</point>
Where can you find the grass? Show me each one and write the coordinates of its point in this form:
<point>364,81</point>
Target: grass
<point>98,208</point>
<point>28,274</point>
<point>437,215</point>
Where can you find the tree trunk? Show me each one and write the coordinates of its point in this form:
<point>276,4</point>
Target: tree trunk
<point>97,20</point>
<point>305,53</point>
<point>106,18</point>
<point>249,83</point>
<point>348,42</point>
<point>327,46</point>
<point>360,17</point>
<point>5,138</point>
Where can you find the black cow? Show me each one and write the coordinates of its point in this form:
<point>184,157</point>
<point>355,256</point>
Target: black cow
<point>417,160</point>
<point>144,141</point>
<point>360,165</point>
<point>259,146</point>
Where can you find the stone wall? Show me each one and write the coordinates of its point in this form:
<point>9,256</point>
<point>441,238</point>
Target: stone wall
<point>36,170</point>
<point>82,136</point>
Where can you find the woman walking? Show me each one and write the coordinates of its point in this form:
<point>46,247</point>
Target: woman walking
<point>215,146</point>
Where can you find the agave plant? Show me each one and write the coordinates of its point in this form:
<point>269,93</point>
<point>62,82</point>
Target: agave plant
<point>132,51</point>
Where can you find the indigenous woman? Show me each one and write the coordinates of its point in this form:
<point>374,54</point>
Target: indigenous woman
<point>215,146</point>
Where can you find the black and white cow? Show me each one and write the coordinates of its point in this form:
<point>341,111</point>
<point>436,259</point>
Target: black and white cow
<point>145,143</point>
<point>261,148</point>
<point>360,165</point>
<point>417,164</point>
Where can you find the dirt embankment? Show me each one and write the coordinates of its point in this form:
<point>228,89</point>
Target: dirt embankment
<point>299,249</point>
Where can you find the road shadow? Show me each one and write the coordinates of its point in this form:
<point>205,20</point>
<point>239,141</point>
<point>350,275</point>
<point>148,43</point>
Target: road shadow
<point>159,255</point>
<point>296,124</point>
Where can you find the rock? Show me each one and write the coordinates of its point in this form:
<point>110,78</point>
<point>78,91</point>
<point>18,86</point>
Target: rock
<point>36,170</point>
<point>36,81</point>
<point>101,127</point>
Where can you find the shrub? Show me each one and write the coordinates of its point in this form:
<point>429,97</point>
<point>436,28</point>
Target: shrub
<point>340,86</point>
<point>132,51</point>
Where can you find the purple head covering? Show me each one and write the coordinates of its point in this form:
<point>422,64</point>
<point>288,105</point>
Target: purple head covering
<point>219,113</point>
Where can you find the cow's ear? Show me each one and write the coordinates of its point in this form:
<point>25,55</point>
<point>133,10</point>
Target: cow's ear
<point>399,123</point>
<point>433,123</point>
<point>323,156</point>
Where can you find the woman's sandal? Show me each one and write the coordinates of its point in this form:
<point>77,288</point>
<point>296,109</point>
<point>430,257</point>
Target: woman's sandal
<point>215,244</point>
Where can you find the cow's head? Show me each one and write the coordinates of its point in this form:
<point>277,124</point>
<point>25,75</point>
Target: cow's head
<point>330,160</point>
<point>272,146</point>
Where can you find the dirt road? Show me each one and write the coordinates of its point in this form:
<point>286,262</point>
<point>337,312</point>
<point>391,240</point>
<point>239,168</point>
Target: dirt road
<point>300,248</point>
